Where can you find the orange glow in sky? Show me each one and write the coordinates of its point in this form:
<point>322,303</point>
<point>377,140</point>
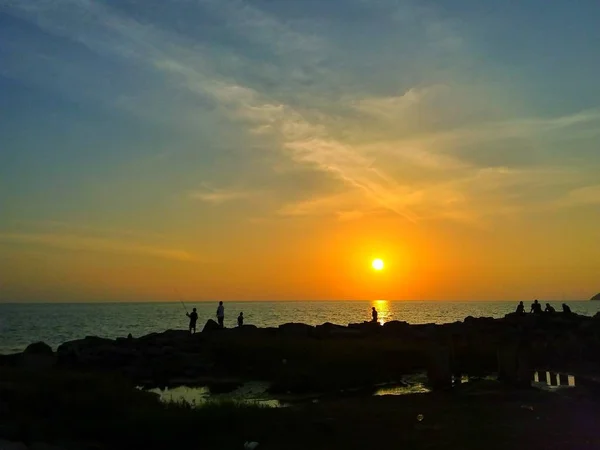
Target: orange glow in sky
<point>277,151</point>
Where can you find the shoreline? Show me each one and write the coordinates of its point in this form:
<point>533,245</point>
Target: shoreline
<point>296,356</point>
<point>59,323</point>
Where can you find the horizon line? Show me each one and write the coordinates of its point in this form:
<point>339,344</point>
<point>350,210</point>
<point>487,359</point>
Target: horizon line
<point>92,302</point>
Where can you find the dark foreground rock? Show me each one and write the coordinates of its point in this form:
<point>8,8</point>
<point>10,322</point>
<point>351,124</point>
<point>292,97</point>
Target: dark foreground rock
<point>300,357</point>
<point>61,409</point>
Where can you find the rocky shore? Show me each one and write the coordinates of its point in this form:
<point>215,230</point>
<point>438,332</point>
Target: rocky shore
<point>296,357</point>
<point>83,396</point>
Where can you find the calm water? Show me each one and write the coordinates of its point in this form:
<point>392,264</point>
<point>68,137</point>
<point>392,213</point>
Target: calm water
<point>21,324</point>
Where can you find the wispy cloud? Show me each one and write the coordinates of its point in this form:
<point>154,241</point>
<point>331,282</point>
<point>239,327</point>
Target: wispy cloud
<point>93,244</point>
<point>405,151</point>
<point>89,230</point>
<point>587,195</point>
<point>218,196</point>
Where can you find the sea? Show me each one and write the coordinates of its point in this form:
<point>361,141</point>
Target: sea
<point>55,323</point>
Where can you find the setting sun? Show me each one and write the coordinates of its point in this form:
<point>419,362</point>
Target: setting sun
<point>377,264</point>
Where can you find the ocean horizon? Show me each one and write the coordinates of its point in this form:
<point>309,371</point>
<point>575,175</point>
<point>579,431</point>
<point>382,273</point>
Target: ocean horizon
<point>55,323</point>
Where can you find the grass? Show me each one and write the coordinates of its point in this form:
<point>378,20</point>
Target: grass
<point>68,408</point>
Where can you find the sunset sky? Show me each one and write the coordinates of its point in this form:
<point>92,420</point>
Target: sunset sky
<point>271,149</point>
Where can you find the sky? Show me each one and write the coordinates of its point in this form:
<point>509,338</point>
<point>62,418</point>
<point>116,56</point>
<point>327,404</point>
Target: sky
<point>270,150</point>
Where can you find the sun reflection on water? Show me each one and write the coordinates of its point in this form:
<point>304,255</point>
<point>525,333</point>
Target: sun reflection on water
<point>384,313</point>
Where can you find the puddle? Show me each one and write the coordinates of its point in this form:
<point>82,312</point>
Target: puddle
<point>249,393</point>
<point>552,380</point>
<point>415,384</point>
<point>257,392</point>
<point>403,390</point>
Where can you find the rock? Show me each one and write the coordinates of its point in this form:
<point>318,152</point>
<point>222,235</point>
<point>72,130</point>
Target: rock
<point>295,329</point>
<point>39,348</point>
<point>74,348</point>
<point>95,352</point>
<point>480,322</point>
<point>396,328</point>
<point>38,356</point>
<point>11,360</point>
<point>514,366</point>
<point>595,297</point>
<point>246,329</point>
<point>8,445</point>
<point>329,329</point>
<point>210,325</point>
<point>439,366</point>
<point>366,328</point>
<point>9,430</point>
<point>43,446</point>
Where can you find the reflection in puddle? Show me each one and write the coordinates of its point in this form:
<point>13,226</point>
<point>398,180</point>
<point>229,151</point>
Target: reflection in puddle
<point>257,392</point>
<point>249,393</point>
<point>553,380</point>
<point>415,384</point>
<point>418,388</point>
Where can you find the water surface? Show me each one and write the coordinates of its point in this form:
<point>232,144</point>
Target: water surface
<point>21,324</point>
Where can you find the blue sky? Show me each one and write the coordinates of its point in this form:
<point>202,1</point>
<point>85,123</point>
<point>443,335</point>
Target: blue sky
<point>184,130</point>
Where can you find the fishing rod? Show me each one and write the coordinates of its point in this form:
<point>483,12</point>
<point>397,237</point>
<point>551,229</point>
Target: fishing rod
<point>181,300</point>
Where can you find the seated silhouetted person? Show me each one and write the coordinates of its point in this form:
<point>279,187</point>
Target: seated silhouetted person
<point>374,314</point>
<point>566,308</point>
<point>536,307</point>
<point>241,319</point>
<point>193,319</point>
<point>520,308</point>
<point>549,308</point>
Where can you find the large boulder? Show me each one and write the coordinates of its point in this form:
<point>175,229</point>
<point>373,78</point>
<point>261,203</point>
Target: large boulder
<point>38,355</point>
<point>93,352</point>
<point>210,325</point>
<point>39,348</point>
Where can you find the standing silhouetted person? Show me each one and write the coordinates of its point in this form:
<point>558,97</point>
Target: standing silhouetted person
<point>520,308</point>
<point>549,308</point>
<point>566,308</point>
<point>374,314</point>
<point>536,307</point>
<point>221,314</point>
<point>193,318</point>
<point>241,319</point>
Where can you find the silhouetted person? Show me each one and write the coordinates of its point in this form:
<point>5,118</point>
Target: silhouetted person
<point>549,308</point>
<point>520,308</point>
<point>241,319</point>
<point>566,308</point>
<point>193,319</point>
<point>374,314</point>
<point>221,314</point>
<point>536,307</point>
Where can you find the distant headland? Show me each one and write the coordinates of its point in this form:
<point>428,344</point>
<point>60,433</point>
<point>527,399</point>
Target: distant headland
<point>596,297</point>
